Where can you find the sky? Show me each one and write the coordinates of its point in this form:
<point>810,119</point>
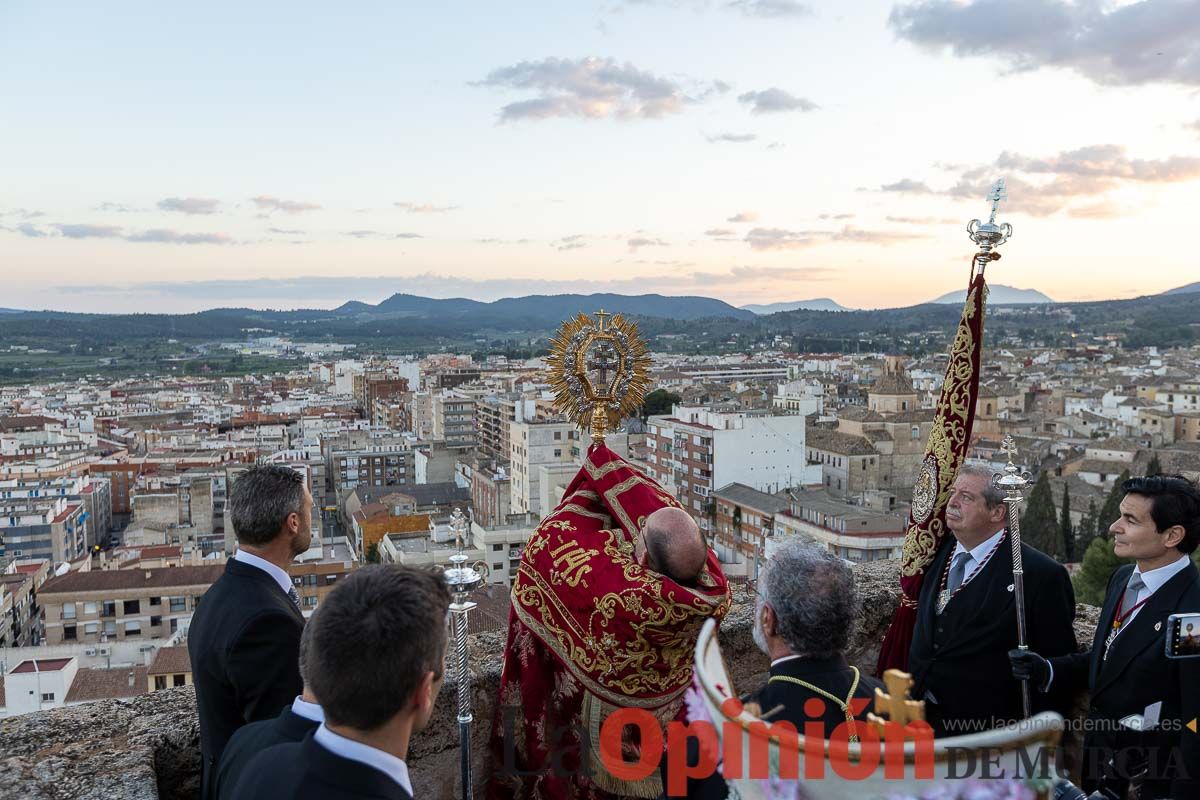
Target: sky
<point>179,156</point>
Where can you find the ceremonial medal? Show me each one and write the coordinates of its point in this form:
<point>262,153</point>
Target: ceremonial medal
<point>942,599</point>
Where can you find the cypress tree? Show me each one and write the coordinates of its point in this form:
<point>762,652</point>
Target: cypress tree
<point>1098,564</point>
<point>1087,528</point>
<point>1154,467</point>
<point>1066,530</point>
<point>1112,506</point>
<point>1039,526</point>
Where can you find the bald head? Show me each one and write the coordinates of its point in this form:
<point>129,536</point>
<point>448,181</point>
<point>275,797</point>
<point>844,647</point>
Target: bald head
<point>674,545</point>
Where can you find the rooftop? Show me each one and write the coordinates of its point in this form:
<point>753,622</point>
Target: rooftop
<point>170,661</point>
<point>40,665</point>
<point>107,684</point>
<point>743,495</point>
<point>158,578</point>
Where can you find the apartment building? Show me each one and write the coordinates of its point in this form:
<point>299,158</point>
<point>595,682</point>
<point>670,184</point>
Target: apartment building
<point>122,604</point>
<point>534,445</point>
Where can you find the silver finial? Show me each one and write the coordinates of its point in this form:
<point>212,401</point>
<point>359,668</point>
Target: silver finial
<point>988,235</point>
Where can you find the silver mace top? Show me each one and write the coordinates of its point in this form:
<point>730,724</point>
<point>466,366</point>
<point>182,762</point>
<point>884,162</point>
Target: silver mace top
<point>462,577</point>
<point>988,235</point>
<point>1013,480</point>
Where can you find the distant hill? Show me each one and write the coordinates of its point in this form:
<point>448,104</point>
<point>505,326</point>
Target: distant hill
<point>11,311</point>
<point>999,294</point>
<point>547,310</point>
<point>1191,287</point>
<point>815,304</point>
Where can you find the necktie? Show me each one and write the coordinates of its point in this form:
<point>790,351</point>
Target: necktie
<point>958,570</point>
<point>295,598</point>
<point>1132,590</point>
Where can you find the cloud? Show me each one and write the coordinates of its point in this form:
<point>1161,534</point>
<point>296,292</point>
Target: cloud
<point>23,213</point>
<point>738,138</point>
<point>31,230</point>
<point>285,231</point>
<point>774,100</point>
<point>166,236</point>
<point>849,234</point>
<point>719,232</point>
<point>591,88</point>
<point>744,216</point>
<point>73,231</point>
<point>1105,209</point>
<point>1127,44</point>
<point>363,234</point>
<point>425,208</point>
<point>771,9</point>
<point>408,236</point>
<point>1044,185</point>
<point>118,208</point>
<point>189,205</point>
<point>836,216</point>
<point>778,239</point>
<point>268,203</point>
<point>641,241</point>
<point>924,220</point>
<point>906,186</point>
<point>573,242</point>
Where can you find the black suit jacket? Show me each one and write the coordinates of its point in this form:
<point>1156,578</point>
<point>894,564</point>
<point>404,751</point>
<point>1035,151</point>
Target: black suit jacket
<point>307,771</point>
<point>244,644</point>
<point>831,674</point>
<point>250,740</point>
<point>1136,674</point>
<point>961,657</point>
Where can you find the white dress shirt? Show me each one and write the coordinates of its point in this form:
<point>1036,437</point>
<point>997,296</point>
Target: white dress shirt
<point>281,577</point>
<point>977,554</point>
<point>388,764</point>
<point>310,711</point>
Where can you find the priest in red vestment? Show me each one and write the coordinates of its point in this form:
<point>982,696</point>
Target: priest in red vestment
<point>595,627</point>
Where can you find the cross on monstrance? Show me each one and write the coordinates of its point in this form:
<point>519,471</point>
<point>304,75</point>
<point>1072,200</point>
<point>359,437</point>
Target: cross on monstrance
<point>603,359</point>
<point>894,703</point>
<point>997,193</point>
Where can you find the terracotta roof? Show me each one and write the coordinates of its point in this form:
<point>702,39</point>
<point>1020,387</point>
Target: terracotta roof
<point>836,442</point>
<point>41,665</point>
<point>157,578</point>
<point>29,569</point>
<point>170,661</point>
<point>106,684</point>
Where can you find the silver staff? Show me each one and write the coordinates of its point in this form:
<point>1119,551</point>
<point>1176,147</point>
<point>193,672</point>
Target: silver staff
<point>463,579</point>
<point>988,235</point>
<point>1014,482</point>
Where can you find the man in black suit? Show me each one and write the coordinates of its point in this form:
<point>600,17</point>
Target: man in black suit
<point>802,619</point>
<point>1127,671</point>
<point>244,640</point>
<point>378,645</point>
<point>293,723</point>
<point>966,616</point>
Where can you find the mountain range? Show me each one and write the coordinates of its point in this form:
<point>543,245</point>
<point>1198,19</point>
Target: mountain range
<point>998,294</point>
<point>815,304</point>
<point>558,306</point>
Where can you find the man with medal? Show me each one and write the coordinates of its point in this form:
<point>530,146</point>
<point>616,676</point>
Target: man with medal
<point>1141,726</point>
<point>967,616</point>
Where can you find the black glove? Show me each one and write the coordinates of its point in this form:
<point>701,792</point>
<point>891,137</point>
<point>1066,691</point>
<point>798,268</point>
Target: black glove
<point>1028,665</point>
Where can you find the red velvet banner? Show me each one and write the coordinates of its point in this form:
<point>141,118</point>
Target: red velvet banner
<point>945,452</point>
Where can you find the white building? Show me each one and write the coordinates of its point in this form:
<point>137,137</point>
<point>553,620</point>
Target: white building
<point>533,445</point>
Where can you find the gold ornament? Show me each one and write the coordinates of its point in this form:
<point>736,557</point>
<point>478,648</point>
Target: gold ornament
<point>598,371</point>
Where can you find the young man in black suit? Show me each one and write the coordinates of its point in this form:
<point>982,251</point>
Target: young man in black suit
<point>1127,671</point>
<point>375,662</point>
<point>967,621</point>
<point>244,640</point>
<point>802,619</point>
<point>293,723</point>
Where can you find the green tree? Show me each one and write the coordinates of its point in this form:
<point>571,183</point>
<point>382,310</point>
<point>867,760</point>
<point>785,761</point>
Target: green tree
<point>1098,564</point>
<point>1112,506</point>
<point>1087,528</point>
<point>1154,467</point>
<point>1039,525</point>
<point>659,402</point>
<point>1066,531</point>
<point>373,554</point>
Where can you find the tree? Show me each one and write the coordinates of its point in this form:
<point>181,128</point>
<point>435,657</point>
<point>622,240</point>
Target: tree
<point>1039,526</point>
<point>1066,531</point>
<point>1112,506</point>
<point>373,554</point>
<point>1154,467</point>
<point>659,402</point>
<point>1087,528</point>
<point>1098,564</point>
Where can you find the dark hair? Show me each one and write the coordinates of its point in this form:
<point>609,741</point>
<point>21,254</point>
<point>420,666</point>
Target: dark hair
<point>992,496</point>
<point>1174,500</point>
<point>374,638</point>
<point>812,592</point>
<point>261,500</point>
<point>305,649</point>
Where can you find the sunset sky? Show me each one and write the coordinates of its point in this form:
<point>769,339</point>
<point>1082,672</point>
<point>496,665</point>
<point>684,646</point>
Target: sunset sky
<point>181,156</point>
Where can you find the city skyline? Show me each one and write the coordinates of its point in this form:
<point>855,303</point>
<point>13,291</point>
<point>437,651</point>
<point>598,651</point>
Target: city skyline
<point>754,151</point>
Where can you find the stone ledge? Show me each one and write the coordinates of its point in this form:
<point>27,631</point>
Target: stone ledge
<point>149,747</point>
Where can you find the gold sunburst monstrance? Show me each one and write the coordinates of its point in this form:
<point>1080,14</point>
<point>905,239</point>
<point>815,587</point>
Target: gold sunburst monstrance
<point>598,370</point>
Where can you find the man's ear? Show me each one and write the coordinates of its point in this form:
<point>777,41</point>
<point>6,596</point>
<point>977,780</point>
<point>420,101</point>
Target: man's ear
<point>999,513</point>
<point>424,696</point>
<point>770,622</point>
<point>1174,535</point>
